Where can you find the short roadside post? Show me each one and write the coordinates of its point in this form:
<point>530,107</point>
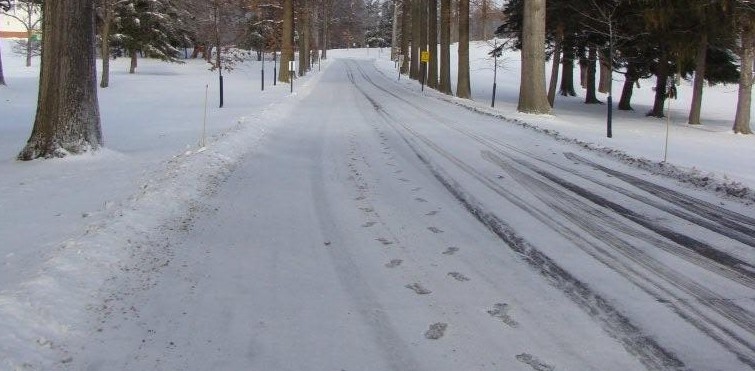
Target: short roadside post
<point>263,70</point>
<point>275,67</point>
<point>400,63</point>
<point>291,66</point>
<point>495,70</point>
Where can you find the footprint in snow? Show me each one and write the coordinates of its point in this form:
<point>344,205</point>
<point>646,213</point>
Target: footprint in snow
<point>384,241</point>
<point>418,289</point>
<point>534,362</point>
<point>436,331</point>
<point>403,179</point>
<point>394,263</point>
<point>420,199</point>
<point>432,213</point>
<point>435,230</point>
<point>451,250</point>
<point>369,224</point>
<point>415,189</point>
<point>501,311</point>
<point>458,276</point>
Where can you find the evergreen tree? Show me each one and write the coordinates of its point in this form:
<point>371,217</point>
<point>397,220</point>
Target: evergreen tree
<point>152,27</point>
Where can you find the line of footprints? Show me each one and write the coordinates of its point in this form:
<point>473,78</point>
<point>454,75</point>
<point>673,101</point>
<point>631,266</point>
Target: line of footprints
<point>500,311</point>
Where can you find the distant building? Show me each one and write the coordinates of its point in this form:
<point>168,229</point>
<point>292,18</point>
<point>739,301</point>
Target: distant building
<point>11,26</point>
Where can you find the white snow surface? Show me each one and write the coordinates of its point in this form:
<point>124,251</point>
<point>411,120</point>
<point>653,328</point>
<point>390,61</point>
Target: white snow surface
<point>305,232</point>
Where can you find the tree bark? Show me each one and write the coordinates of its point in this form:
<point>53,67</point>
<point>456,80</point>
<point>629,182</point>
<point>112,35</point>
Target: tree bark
<point>416,40</point>
<point>326,29</point>
<point>2,77</point>
<point>697,90</point>
<point>554,66</point>
<point>463,88</point>
<point>605,74</point>
<point>444,84</point>
<point>287,42</point>
<point>532,95</point>
<point>394,32</point>
<point>67,119</point>
<point>567,69</point>
<point>105,44</point>
<point>590,97</point>
<point>747,58</point>
<point>423,39</point>
<point>662,75</point>
<point>583,63</point>
<point>132,67</point>
<point>406,10</point>
<point>432,38</point>
<point>303,38</point>
<point>630,78</point>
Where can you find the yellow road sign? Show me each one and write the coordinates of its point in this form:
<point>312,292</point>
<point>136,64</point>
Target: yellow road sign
<point>424,57</point>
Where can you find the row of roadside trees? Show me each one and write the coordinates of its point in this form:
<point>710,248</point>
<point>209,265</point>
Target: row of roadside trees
<point>635,37</point>
<point>699,40</point>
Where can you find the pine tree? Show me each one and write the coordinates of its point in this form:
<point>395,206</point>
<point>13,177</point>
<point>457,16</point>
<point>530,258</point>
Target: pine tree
<point>151,27</point>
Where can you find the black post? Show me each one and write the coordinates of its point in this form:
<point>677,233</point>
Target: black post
<point>291,79</point>
<point>221,90</point>
<point>495,72</point>
<point>263,70</point>
<point>424,72</point>
<point>609,116</point>
<point>275,67</point>
<point>609,122</point>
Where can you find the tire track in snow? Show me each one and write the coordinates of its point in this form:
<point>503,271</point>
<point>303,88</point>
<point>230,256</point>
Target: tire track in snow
<point>620,327</point>
<point>715,261</point>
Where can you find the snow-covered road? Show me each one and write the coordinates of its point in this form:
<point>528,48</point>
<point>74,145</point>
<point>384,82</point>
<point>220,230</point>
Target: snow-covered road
<point>378,229</point>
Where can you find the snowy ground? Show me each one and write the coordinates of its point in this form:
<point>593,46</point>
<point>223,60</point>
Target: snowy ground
<point>395,232</point>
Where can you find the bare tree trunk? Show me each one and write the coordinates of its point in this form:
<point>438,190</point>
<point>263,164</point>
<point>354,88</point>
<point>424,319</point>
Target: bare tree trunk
<point>432,15</point>
<point>394,33</point>
<point>132,68</point>
<point>567,69</point>
<point>583,63</point>
<point>662,75</point>
<point>463,88</point>
<point>697,90</point>
<point>454,21</point>
<point>605,74</point>
<point>445,47</point>
<point>423,38</point>
<point>554,66</point>
<point>747,58</point>
<point>414,67</point>
<point>303,38</point>
<point>28,50</point>
<point>532,95</point>
<point>287,42</point>
<point>67,119</point>
<point>405,33</point>
<point>2,77</point>
<point>630,77</point>
<point>590,97</point>
<point>484,16</point>
<point>105,44</point>
<point>326,29</point>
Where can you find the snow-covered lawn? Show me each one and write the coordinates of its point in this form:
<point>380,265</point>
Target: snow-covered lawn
<point>68,225</point>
